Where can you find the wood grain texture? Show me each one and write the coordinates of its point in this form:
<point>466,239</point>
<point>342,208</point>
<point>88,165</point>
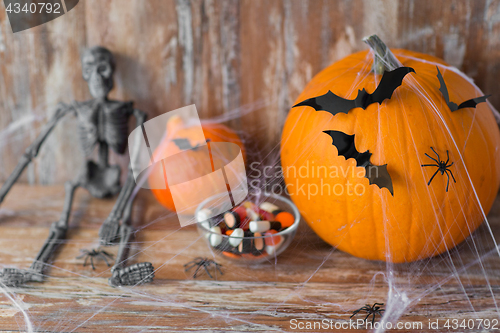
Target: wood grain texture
<point>309,281</point>
<point>220,55</point>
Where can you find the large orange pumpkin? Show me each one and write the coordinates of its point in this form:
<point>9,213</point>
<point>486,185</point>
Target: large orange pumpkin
<point>189,164</point>
<point>419,220</point>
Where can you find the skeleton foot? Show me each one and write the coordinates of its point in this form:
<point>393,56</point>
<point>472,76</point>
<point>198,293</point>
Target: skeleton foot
<point>14,277</point>
<point>109,232</point>
<point>139,273</point>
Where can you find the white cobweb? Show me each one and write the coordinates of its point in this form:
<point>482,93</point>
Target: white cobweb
<point>312,280</point>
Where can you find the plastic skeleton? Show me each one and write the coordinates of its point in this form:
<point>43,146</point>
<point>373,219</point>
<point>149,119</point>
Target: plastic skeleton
<point>102,123</point>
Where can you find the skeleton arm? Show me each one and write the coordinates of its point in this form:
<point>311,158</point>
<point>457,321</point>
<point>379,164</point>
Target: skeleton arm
<point>32,151</point>
<point>110,228</point>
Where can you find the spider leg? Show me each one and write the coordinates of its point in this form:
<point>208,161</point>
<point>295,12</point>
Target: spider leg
<point>355,313</point>
<point>191,265</point>
<point>432,158</point>
<point>439,159</point>
<point>217,266</point>
<point>368,315</point>
<point>206,270</point>
<point>84,253</point>
<point>196,271</point>
<point>85,261</point>
<point>92,263</point>
<point>448,182</point>
<point>363,308</point>
<point>192,262</point>
<point>104,257</point>
<point>448,154</point>
<point>109,255</point>
<point>452,175</point>
<point>195,261</point>
<point>426,165</point>
<point>373,318</point>
<point>435,173</point>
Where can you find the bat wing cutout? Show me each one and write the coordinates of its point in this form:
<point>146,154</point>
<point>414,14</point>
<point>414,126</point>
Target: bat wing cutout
<point>184,144</point>
<point>335,104</point>
<point>470,103</point>
<point>376,174</point>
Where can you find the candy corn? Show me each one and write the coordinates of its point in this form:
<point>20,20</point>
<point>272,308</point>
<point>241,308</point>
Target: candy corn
<point>248,230</point>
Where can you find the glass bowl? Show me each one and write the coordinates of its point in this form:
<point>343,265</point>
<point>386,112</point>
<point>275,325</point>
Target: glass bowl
<point>275,243</point>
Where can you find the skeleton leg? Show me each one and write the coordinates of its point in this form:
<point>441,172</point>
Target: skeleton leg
<point>110,229</point>
<point>135,274</point>
<point>14,276</point>
<point>125,235</point>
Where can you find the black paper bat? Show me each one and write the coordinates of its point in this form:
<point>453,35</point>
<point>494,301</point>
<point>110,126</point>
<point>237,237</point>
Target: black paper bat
<point>376,174</point>
<point>335,104</point>
<point>471,103</point>
<point>184,144</point>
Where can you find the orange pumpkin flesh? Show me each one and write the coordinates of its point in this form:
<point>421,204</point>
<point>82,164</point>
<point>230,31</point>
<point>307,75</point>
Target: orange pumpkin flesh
<point>213,132</point>
<point>419,221</point>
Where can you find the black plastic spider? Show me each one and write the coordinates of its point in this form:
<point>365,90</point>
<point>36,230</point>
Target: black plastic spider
<point>202,262</point>
<point>101,254</point>
<point>372,310</point>
<point>442,167</point>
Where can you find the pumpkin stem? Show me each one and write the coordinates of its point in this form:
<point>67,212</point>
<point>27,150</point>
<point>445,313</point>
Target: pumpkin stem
<point>383,59</point>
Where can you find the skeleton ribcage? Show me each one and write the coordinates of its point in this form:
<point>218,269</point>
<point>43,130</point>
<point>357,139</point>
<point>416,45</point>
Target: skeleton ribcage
<point>104,124</point>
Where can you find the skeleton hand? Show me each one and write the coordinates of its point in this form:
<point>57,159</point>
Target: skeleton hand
<point>61,108</point>
<point>110,230</point>
<point>14,277</point>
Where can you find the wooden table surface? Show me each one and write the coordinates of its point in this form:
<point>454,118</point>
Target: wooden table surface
<point>308,282</point>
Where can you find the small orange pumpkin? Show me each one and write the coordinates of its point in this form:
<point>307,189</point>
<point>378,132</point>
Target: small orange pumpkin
<point>419,220</point>
<point>175,126</point>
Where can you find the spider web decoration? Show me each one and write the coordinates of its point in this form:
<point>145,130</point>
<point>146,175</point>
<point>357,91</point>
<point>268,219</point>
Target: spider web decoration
<point>306,282</point>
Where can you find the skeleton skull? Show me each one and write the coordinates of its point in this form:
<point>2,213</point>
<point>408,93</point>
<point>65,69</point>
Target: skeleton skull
<point>98,66</point>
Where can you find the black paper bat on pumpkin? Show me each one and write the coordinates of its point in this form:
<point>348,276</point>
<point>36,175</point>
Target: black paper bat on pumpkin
<point>376,174</point>
<point>471,103</point>
<point>184,144</point>
<point>335,104</point>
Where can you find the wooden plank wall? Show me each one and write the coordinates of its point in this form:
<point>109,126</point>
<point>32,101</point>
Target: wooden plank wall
<point>219,54</point>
